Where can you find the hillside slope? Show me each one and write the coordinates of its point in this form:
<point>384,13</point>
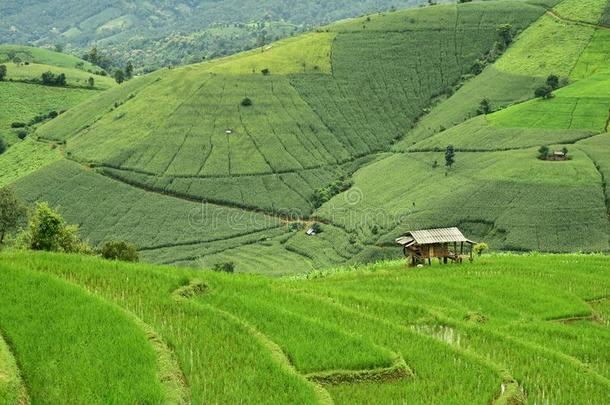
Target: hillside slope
<point>346,126</point>
<point>505,329</point>
<point>159,33</point>
<point>26,102</point>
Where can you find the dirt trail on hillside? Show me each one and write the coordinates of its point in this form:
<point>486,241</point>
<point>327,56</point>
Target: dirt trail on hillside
<point>558,17</point>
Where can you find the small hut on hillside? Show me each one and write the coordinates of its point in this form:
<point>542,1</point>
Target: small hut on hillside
<point>445,244</point>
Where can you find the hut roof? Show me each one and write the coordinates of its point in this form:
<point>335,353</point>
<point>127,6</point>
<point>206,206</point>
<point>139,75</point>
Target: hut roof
<point>430,236</point>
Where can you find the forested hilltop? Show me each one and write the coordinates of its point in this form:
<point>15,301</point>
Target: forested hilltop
<point>157,33</point>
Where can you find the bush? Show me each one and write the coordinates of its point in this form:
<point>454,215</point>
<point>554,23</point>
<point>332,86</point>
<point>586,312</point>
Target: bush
<point>545,92</point>
<point>553,82</point>
<point>479,248</point>
<point>2,72</point>
<point>51,79</point>
<point>18,125</point>
<point>22,134</point>
<point>48,231</point>
<point>226,267</point>
<point>119,250</point>
<point>484,107</point>
<point>543,152</point>
<point>246,102</point>
<point>3,146</point>
<point>265,72</point>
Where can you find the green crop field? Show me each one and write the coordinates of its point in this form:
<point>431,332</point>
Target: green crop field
<point>345,126</point>
<point>504,329</point>
<point>23,99</point>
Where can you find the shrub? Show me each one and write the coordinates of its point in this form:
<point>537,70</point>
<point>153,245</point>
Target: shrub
<point>479,248</point>
<point>12,210</point>
<point>2,72</point>
<point>545,92</point>
<point>553,82</point>
<point>265,72</point>
<point>51,79</point>
<point>226,267</point>
<point>543,152</point>
<point>48,231</point>
<point>22,134</point>
<point>119,250</point>
<point>18,125</point>
<point>316,227</point>
<point>3,146</point>
<point>246,102</point>
<point>484,107</point>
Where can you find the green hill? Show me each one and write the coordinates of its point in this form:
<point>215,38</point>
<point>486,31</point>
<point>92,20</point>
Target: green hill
<point>27,103</point>
<point>346,126</point>
<point>157,33</point>
<point>505,329</point>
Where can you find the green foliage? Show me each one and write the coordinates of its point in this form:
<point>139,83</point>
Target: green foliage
<point>12,212</point>
<point>226,267</point>
<point>553,82</point>
<point>449,156</point>
<point>48,231</point>
<point>119,250</point>
<point>119,76</point>
<point>2,146</point>
<point>322,195</point>
<point>545,92</point>
<point>479,248</point>
<point>3,71</point>
<point>51,79</point>
<point>484,107</point>
<point>246,102</point>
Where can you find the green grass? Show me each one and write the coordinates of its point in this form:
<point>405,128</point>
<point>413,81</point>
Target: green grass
<point>595,57</point>
<point>580,106</point>
<point>462,331</point>
<point>478,135</point>
<point>510,199</point>
<point>45,57</point>
<point>581,10</point>
<point>74,77</point>
<point>24,158</point>
<point>332,97</point>
<point>127,213</point>
<point>73,347</point>
<point>12,390</point>
<point>24,101</point>
<point>549,46</point>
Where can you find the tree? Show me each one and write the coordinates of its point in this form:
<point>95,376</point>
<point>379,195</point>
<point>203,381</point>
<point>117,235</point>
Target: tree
<point>545,92</point>
<point>484,107</point>
<point>2,72</point>
<point>129,70</point>
<point>543,152</point>
<point>227,267</point>
<point>51,79</point>
<point>120,250</point>
<point>479,248</point>
<point>93,56</point>
<point>119,76</point>
<point>48,231</point>
<point>3,146</point>
<point>553,82</point>
<point>12,211</point>
<point>564,150</point>
<point>59,48</point>
<point>246,102</point>
<point>449,156</point>
<point>505,32</point>
<point>91,82</point>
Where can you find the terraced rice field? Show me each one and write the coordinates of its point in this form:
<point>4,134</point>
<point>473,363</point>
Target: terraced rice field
<point>505,329</point>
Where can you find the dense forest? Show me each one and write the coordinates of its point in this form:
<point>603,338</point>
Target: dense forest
<point>168,32</point>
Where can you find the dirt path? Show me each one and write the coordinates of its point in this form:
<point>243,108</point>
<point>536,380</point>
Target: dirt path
<point>558,17</point>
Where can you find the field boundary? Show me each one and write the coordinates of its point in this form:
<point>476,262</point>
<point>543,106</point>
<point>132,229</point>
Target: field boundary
<point>21,392</point>
<point>397,371</point>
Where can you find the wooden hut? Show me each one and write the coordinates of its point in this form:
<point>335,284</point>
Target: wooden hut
<point>445,244</point>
